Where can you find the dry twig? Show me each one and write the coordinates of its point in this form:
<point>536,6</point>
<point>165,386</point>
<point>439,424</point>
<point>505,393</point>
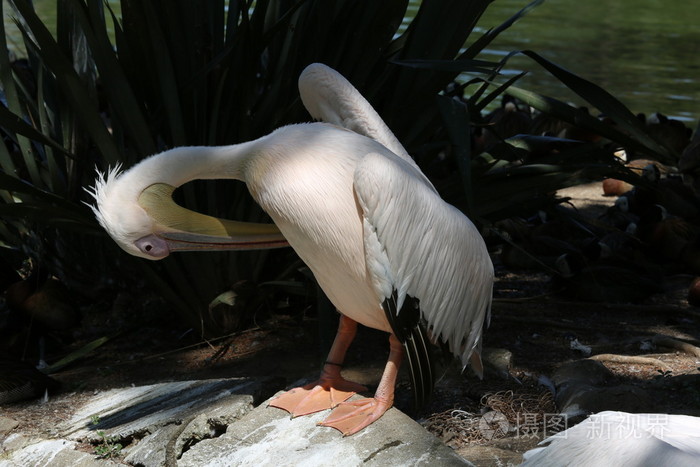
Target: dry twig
<point>630,359</point>
<point>665,341</point>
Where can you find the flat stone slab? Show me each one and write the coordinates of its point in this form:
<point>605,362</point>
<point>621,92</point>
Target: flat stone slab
<point>19,451</point>
<point>137,411</point>
<point>213,423</point>
<point>154,423</point>
<point>267,436</point>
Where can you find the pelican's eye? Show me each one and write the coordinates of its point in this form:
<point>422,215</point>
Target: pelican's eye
<point>153,246</point>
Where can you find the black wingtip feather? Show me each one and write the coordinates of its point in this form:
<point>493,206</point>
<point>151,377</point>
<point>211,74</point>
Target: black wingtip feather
<point>407,327</point>
<point>420,363</point>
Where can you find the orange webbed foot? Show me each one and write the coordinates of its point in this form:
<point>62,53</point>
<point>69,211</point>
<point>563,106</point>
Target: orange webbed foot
<point>317,396</point>
<point>352,416</point>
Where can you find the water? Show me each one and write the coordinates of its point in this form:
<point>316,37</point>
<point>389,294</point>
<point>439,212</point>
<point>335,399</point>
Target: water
<point>45,9</point>
<point>644,52</point>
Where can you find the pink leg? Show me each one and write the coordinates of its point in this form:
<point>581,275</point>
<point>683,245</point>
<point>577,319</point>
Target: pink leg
<point>331,388</point>
<point>350,417</point>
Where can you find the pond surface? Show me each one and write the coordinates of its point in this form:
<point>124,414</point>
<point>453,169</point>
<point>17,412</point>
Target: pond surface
<point>644,52</point>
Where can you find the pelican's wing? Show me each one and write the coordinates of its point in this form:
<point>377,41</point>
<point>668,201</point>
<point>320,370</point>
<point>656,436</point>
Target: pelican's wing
<point>329,97</point>
<point>419,246</point>
<point>620,438</point>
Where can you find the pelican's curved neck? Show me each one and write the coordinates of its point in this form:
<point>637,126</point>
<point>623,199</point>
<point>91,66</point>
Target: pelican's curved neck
<point>153,181</point>
<point>178,166</point>
<point>329,97</point>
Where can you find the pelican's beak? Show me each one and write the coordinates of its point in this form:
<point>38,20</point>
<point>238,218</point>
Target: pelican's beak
<point>181,229</point>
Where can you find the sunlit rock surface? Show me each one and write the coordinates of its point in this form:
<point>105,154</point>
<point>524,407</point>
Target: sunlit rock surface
<point>214,423</point>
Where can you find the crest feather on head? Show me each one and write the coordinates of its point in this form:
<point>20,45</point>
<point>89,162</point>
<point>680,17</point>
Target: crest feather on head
<point>116,208</point>
<point>100,191</point>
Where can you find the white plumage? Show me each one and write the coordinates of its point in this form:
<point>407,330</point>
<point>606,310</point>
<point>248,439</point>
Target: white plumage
<point>439,259</point>
<point>622,439</point>
<point>353,205</point>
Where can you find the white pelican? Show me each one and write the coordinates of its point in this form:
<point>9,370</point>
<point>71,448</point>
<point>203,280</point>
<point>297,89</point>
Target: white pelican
<point>356,209</point>
<point>620,438</point>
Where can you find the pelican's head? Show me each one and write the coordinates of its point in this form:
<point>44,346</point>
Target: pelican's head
<point>119,213</point>
<point>143,219</point>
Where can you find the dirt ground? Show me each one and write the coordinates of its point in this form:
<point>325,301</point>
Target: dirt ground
<point>537,332</point>
<point>536,327</point>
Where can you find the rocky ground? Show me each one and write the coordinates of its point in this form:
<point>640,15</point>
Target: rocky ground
<point>549,362</point>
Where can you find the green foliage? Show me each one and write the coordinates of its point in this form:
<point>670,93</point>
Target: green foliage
<point>519,175</point>
<point>107,448</point>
